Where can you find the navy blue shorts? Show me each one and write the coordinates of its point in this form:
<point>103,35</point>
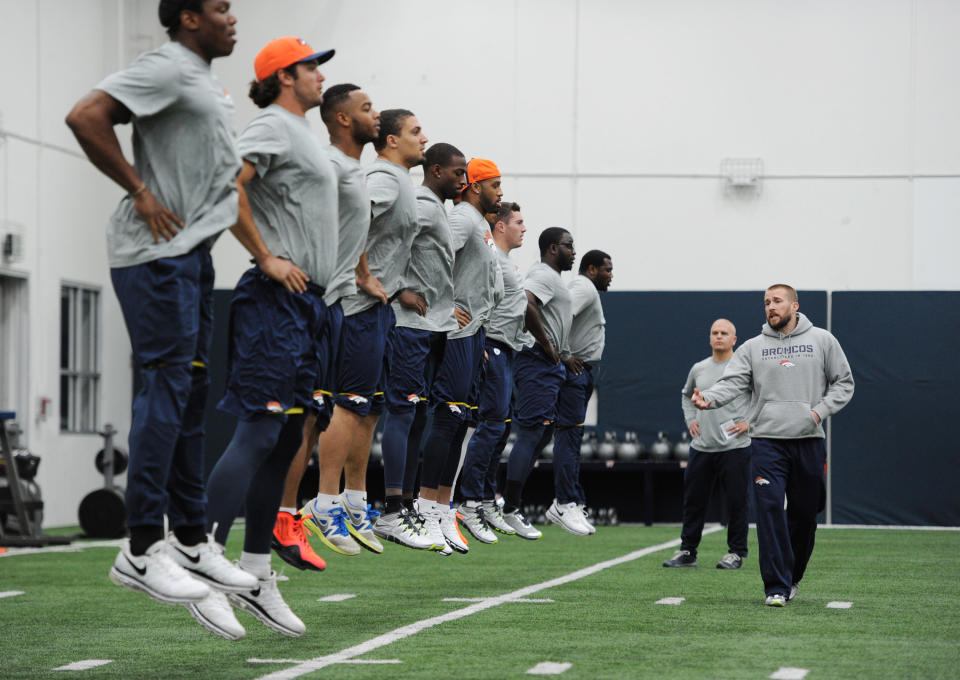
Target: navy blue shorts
<point>328,355</point>
<point>538,383</point>
<point>361,365</point>
<point>574,395</point>
<point>458,378</point>
<point>414,356</point>
<point>496,388</point>
<point>272,365</point>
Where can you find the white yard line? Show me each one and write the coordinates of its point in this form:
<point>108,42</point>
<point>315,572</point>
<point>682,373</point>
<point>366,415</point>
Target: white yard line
<point>542,600</point>
<point>84,665</point>
<point>339,597</point>
<point>74,547</point>
<point>788,673</point>
<point>549,668</point>
<point>349,653</point>
<point>10,593</point>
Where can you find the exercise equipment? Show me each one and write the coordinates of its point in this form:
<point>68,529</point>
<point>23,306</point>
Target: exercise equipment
<point>660,449</point>
<point>681,450</point>
<point>103,512</point>
<point>24,498</point>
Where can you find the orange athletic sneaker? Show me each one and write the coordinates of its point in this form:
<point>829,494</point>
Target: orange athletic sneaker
<point>463,538</point>
<point>290,543</point>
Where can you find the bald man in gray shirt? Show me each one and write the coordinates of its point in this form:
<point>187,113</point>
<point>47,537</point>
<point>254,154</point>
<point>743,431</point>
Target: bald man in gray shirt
<point>720,451</point>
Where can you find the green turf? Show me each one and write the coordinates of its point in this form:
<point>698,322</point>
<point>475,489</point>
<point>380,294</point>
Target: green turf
<point>905,620</point>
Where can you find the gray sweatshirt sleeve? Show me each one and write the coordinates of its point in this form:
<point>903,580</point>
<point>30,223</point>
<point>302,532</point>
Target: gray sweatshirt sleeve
<point>737,378</point>
<point>839,377</point>
<point>690,412</point>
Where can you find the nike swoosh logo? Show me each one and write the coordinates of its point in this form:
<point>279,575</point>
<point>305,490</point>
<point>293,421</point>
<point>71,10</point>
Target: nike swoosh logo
<point>193,558</point>
<point>140,570</point>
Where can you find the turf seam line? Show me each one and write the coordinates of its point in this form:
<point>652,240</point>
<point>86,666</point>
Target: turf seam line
<point>397,634</point>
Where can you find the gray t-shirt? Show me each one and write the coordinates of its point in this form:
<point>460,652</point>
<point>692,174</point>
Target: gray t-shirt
<point>392,227</point>
<point>507,318</point>
<point>183,150</point>
<point>354,204</point>
<point>293,198</point>
<point>544,282</point>
<point>588,332</point>
<point>477,279</point>
<point>430,272</point>
<point>704,375</point>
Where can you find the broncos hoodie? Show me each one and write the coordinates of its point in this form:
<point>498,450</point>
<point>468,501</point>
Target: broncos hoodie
<point>789,376</point>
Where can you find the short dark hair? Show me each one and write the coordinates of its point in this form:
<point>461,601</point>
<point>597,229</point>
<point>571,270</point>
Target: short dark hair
<point>169,13</point>
<point>265,92</point>
<point>550,237</point>
<point>593,258</point>
<point>391,123</point>
<point>506,209</point>
<point>791,291</point>
<point>333,99</point>
<point>441,154</point>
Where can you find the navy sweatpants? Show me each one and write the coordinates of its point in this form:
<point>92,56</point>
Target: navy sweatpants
<point>167,306</point>
<point>731,468</point>
<point>575,392</point>
<point>791,468</point>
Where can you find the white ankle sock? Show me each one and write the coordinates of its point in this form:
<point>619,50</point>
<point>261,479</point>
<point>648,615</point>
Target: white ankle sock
<point>356,498</point>
<point>425,506</point>
<point>289,511</point>
<point>326,501</point>
<point>257,564</point>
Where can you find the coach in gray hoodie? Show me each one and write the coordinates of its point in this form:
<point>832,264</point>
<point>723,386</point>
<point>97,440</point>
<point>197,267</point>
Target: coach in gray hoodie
<point>799,376</point>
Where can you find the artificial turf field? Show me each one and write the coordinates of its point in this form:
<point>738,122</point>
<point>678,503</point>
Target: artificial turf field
<point>904,621</point>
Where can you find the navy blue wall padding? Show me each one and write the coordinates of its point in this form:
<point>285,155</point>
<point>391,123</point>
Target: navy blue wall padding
<point>653,338</point>
<point>895,450</point>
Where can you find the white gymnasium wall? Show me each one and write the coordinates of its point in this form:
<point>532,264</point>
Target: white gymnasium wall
<point>610,117</point>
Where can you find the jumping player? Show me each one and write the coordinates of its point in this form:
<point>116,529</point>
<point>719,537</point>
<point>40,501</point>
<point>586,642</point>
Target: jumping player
<point>587,338</point>
<point>361,371</point>
<point>178,200</point>
<point>505,336</point>
<point>477,287</point>
<point>352,123</point>
<point>288,211</point>
<point>541,369</point>
<point>417,341</point>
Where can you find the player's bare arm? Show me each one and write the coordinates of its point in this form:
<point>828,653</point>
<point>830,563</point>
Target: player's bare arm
<point>92,121</point>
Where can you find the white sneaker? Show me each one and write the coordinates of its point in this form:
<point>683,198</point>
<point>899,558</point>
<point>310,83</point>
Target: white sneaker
<point>265,603</point>
<point>794,591</point>
<point>586,520</point>
<point>568,516</point>
<point>205,562</point>
<point>776,600</point>
<point>216,615</point>
<point>431,524</point>
<point>521,526</point>
<point>494,518</point>
<point>157,575</point>
<point>400,528</point>
<point>451,532</point>
<point>473,519</point>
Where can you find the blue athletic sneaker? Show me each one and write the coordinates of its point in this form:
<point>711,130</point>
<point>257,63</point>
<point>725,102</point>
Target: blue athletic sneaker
<point>360,525</point>
<point>330,526</point>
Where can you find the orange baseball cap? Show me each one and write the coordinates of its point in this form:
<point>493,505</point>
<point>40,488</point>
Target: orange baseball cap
<point>479,169</point>
<point>283,52</point>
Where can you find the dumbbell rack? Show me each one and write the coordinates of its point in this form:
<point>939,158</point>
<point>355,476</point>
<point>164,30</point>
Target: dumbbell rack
<point>30,533</point>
